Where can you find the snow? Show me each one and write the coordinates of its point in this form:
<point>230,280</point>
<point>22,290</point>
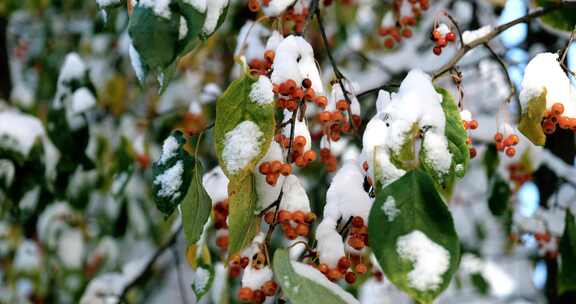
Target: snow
<point>19,132</point>
<point>169,148</point>
<point>73,68</point>
<point>201,278</point>
<point>294,197</point>
<point>294,59</point>
<point>216,184</point>
<point>182,29</point>
<point>250,41</point>
<point>261,91</point>
<point>219,285</point>
<point>105,3</point>
<point>389,208</point>
<point>170,181</point>
<point>443,28</point>
<point>214,8</point>
<point>104,289</point>
<point>317,277</point>
<point>241,146</point>
<point>544,72</point>
<point>82,101</point>
<point>469,36</point>
<point>267,194</point>
<point>7,171</point>
<point>430,260</point>
<point>416,103</point>
<point>276,7</point>
<point>136,62</point>
<point>465,115</point>
<point>71,248</point>
<point>27,256</point>
<point>300,129</point>
<point>254,278</point>
<point>274,40</point>
<point>160,7</point>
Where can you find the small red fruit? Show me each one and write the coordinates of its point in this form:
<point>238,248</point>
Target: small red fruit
<point>510,151</point>
<point>437,50</point>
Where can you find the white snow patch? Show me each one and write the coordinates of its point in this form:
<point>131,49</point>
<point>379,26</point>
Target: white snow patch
<point>82,101</point>
<point>214,9</point>
<point>389,208</point>
<point>241,145</point>
<point>136,62</point>
<point>254,278</point>
<point>160,7</point>
<point>216,184</point>
<point>201,278</point>
<point>170,181</point>
<point>71,248</point>
<point>105,3</point>
<point>169,148</point>
<point>469,36</point>
<point>262,91</point>
<point>430,260</point>
<point>267,194</point>
<point>295,197</point>
<point>276,7</point>
<point>544,72</point>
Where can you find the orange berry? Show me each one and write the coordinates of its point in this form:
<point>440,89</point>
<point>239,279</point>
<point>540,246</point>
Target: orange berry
<point>365,166</point>
<point>450,36</point>
<point>272,179</point>
<point>361,268</point>
<point>323,268</point>
<point>275,166</point>
<point>254,5</point>
<point>473,124</point>
<point>508,141</point>
<point>336,116</point>
<point>234,271</point>
<point>300,141</point>
<point>264,168</point>
<point>244,261</point>
<point>309,94</point>
<point>514,139</point>
<point>500,146</point>
<point>357,222</point>
<point>356,243</point>
<point>222,242</point>
<point>344,263</point>
<point>510,151</point>
<point>302,230</point>
<point>334,275</point>
<point>557,109</point>
<point>309,156</point>
<point>284,216</point>
<point>300,162</point>
<point>290,86</point>
<point>436,35</point>
<point>389,43</point>
<point>290,232</point>
<point>269,288</point>
<point>342,105</point>
<point>299,217</point>
<point>548,126</point>
<point>269,55</point>
<point>407,33</point>
<point>472,152</point>
<point>324,117</point>
<point>291,105</point>
<point>356,120</point>
<point>235,260</point>
<point>245,294</point>
<point>286,169</point>
<point>259,297</point>
<point>298,94</point>
<point>321,101</point>
<point>345,127</point>
<point>350,277</point>
<point>564,122</point>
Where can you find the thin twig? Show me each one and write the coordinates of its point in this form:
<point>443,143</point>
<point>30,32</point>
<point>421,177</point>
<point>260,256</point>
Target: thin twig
<point>387,87</point>
<point>346,225</point>
<point>148,267</point>
<point>453,21</point>
<point>495,32</point>
<point>505,70</point>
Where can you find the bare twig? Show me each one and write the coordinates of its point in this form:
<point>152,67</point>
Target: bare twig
<point>148,267</point>
<point>505,70</point>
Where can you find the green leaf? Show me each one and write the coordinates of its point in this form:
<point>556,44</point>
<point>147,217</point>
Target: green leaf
<point>304,284</point>
<point>235,107</point>
<point>406,158</point>
<point>169,172</point>
<point>491,160</point>
<point>203,279</point>
<point>567,279</point>
<point>194,23</point>
<point>563,19</point>
<point>196,207</point>
<point>243,220</point>
<point>480,283</point>
<point>421,212</point>
<point>499,196</point>
<point>154,37</point>
<point>531,119</point>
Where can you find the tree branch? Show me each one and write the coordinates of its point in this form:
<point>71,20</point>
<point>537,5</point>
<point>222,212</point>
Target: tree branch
<point>505,70</point>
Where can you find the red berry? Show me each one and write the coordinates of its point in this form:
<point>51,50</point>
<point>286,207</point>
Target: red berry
<point>473,124</point>
<point>245,294</point>
<point>557,109</point>
<point>437,51</point>
<point>498,137</point>
<point>407,33</point>
<point>389,43</point>
<point>510,151</point>
<point>450,36</point>
<point>350,277</point>
<point>472,152</point>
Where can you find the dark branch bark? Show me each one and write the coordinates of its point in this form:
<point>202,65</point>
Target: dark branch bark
<point>5,80</point>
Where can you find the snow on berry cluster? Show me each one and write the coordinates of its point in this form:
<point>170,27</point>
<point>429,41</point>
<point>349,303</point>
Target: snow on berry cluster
<point>442,35</point>
<point>398,22</point>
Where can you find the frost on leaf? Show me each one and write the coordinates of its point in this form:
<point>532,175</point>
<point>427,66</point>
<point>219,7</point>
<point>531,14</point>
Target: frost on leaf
<point>261,91</point>
<point>430,260</point>
<point>389,208</point>
<point>241,146</point>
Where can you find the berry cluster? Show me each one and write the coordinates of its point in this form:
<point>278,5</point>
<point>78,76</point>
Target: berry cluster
<point>293,224</point>
<point>347,268</point>
<point>290,94</point>
<point>470,124</point>
<point>394,30</point>
<point>293,20</point>
<point>220,224</point>
<point>548,245</point>
<point>262,66</point>
<point>246,294</point>
<point>273,169</point>
<point>442,35</point>
<point>519,174</point>
<point>358,236</point>
<point>554,118</point>
<point>506,144</point>
<point>192,123</point>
